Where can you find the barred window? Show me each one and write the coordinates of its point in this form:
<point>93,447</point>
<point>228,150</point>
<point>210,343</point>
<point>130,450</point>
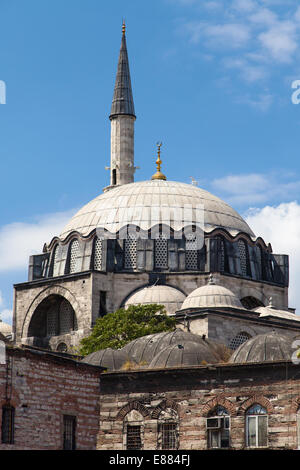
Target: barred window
<point>191,252</point>
<point>238,340</point>
<point>256,426</point>
<point>74,261</point>
<point>161,252</point>
<point>169,439</point>
<point>98,253</point>
<point>69,433</point>
<point>130,252</point>
<point>134,441</point>
<point>8,424</point>
<point>243,251</point>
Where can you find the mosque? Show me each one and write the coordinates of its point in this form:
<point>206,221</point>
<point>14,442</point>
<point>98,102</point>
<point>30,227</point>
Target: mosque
<point>175,244</point>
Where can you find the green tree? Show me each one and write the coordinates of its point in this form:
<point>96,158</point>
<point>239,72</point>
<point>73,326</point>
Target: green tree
<point>116,329</point>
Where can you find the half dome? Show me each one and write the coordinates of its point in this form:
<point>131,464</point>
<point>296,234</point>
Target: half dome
<point>168,296</point>
<point>270,346</point>
<point>148,203</point>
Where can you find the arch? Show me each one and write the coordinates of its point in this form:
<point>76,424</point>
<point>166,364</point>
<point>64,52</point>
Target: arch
<point>254,292</point>
<point>295,406</point>
<point>54,262</point>
<point>163,406</point>
<point>133,405</point>
<point>218,401</point>
<point>239,339</point>
<point>250,302</point>
<point>256,399</point>
<point>52,290</point>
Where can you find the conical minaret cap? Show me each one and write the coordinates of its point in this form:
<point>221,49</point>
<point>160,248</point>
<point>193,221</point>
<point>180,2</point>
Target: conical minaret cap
<point>122,100</point>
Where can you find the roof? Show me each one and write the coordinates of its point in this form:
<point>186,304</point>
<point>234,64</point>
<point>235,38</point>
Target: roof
<point>168,296</point>
<point>148,203</point>
<point>275,313</point>
<point>112,359</point>
<point>186,353</point>
<point>270,346</point>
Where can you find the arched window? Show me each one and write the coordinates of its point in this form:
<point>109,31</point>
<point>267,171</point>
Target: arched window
<point>8,424</point>
<point>133,431</point>
<point>223,258</point>
<point>98,254</point>
<point>239,339</point>
<point>256,426</point>
<point>161,252</point>
<point>168,433</point>
<point>130,253</point>
<point>244,258</point>
<point>55,264</point>
<point>218,428</point>
<point>73,257</point>
<point>191,252</point>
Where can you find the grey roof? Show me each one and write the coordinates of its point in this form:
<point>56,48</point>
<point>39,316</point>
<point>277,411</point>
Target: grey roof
<point>168,296</point>
<point>144,349</point>
<point>270,346</point>
<point>186,353</point>
<point>112,359</point>
<point>122,100</point>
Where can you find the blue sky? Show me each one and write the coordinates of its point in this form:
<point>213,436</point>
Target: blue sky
<point>211,79</point>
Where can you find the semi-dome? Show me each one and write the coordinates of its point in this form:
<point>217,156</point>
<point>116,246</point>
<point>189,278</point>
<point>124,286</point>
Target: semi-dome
<point>148,203</point>
<point>143,350</point>
<point>112,359</point>
<point>5,328</point>
<point>168,296</point>
<point>211,296</point>
<point>186,353</point>
<point>270,346</point>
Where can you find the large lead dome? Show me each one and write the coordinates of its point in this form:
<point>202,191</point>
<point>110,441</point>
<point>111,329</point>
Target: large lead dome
<point>148,203</point>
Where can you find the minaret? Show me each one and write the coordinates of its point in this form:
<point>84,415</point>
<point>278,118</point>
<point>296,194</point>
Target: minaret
<point>122,119</point>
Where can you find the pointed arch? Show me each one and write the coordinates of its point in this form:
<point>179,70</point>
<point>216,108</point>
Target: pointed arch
<point>218,401</point>
<point>133,405</point>
<point>163,406</point>
<point>260,400</point>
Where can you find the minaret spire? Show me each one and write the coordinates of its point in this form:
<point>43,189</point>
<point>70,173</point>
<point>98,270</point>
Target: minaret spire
<point>122,117</point>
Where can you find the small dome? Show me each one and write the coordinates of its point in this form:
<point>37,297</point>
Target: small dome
<point>186,353</point>
<point>144,349</point>
<point>270,346</point>
<point>112,359</point>
<point>168,296</point>
<point>212,296</point>
<point>5,328</point>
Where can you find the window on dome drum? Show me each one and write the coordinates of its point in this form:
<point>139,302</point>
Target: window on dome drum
<point>8,424</point>
<point>102,305</point>
<point>55,264</point>
<point>238,340</point>
<point>161,252</point>
<point>69,432</point>
<point>130,252</point>
<point>218,428</point>
<point>244,258</point>
<point>191,252</point>
<point>133,437</point>
<point>256,426</point>
<point>98,253</point>
<point>73,257</point>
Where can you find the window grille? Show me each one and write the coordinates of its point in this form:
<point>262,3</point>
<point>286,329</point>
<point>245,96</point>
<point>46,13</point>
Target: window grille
<point>8,424</point>
<point>238,340</point>
<point>191,252</point>
<point>66,317</point>
<point>74,252</point>
<point>98,250</point>
<point>161,252</point>
<point>134,441</point>
<point>69,441</point>
<point>52,316</point>
<point>55,261</point>
<point>257,427</point>
<point>243,257</point>
<point>169,440</point>
<point>130,252</point>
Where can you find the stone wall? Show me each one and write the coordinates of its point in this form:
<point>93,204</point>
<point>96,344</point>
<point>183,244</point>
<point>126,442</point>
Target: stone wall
<point>42,388</point>
<point>192,393</point>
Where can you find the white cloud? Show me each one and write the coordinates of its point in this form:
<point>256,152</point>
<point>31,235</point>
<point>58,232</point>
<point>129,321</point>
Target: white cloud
<point>19,240</point>
<point>280,225</point>
<point>280,41</point>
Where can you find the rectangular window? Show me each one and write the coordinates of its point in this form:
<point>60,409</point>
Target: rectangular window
<point>218,432</point>
<point>257,431</point>
<point>8,424</point>
<point>168,436</point>
<point>102,306</point>
<point>134,441</point>
<point>69,442</point>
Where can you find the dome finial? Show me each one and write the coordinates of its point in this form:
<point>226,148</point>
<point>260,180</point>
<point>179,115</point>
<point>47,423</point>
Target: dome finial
<point>270,303</point>
<point>158,175</point>
<point>211,281</point>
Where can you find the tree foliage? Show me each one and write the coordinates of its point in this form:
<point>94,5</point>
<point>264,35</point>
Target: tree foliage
<point>116,329</point>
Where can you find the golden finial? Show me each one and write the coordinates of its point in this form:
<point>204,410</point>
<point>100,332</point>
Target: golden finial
<point>158,175</point>
<point>123,27</point>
